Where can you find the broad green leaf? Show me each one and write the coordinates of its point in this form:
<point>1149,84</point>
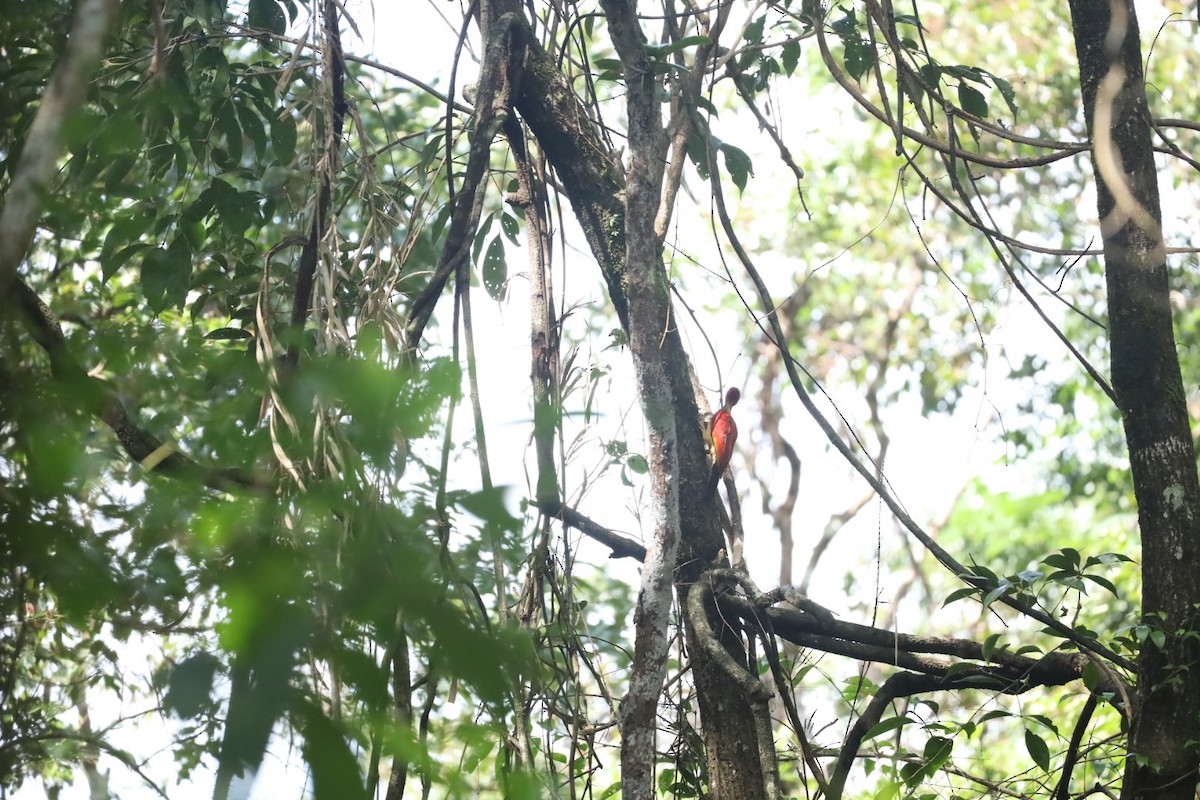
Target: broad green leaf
<point>253,128</point>
<point>190,684</point>
<point>972,100</point>
<point>659,51</point>
<point>989,646</point>
<point>1038,750</point>
<point>127,229</point>
<point>334,768</point>
<point>959,594</point>
<point>266,14</point>
<point>511,228</point>
<point>738,164</point>
<point>166,273</point>
<point>227,334</point>
<point>859,58</point>
<point>885,726</point>
<point>283,137</point>
<point>495,269</point>
<point>790,55</point>
<point>1006,91</point>
<point>754,31</point>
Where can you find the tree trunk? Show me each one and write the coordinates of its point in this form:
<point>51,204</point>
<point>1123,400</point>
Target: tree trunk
<point>1145,376</point>
<point>594,183</point>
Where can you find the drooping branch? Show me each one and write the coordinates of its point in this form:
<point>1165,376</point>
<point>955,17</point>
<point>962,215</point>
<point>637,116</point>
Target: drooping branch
<point>500,79</point>
<point>931,663</point>
<point>327,166</point>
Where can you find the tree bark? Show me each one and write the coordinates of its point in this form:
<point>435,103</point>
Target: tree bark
<point>1149,388</point>
<point>649,314</point>
<point>595,183</point>
<point>39,155</point>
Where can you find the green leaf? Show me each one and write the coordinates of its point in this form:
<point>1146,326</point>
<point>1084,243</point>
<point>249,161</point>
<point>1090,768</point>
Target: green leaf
<point>488,505</point>
<point>227,333</point>
<point>738,164</point>
<point>973,74</point>
<point>937,752</point>
<point>958,668</point>
<point>1006,91</point>
<point>931,74</point>
<point>283,137</point>
<point>972,100</point>
<point>791,55</point>
<point>889,724</point>
<point>1091,676</point>
<point>995,713</point>
<point>1067,558</point>
<point>252,127</point>
<point>266,14</point>
<point>189,687</point>
<point>989,646</point>
<point>128,228</point>
<point>859,58</point>
<point>1105,582</point>
<point>1107,559</point>
<point>166,274</point>
<point>335,772</point>
<point>908,19</point>
<point>959,594</point>
<point>495,268</point>
<point>231,130</point>
<point>996,593</point>
<point>508,223</point>
<point>754,31</point>
<point>1038,750</point>
<point>1030,576</point>
<point>658,51</point>
<point>847,24</point>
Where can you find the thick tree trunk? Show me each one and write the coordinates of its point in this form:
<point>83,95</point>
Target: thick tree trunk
<point>595,184</point>
<point>1145,375</point>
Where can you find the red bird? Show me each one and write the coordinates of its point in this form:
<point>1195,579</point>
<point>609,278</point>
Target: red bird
<point>722,434</point>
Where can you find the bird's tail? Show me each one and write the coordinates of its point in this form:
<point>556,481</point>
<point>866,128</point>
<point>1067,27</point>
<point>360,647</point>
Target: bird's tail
<point>714,477</point>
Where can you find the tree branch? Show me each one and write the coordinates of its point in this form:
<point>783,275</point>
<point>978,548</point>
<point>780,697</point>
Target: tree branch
<point>500,78</point>
<point>620,546</point>
<point>99,399</point>
<point>41,147</point>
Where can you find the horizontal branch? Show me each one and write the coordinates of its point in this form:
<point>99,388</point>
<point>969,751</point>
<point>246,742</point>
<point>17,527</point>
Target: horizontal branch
<point>999,669</point>
<point>815,628</point>
<point>621,546</point>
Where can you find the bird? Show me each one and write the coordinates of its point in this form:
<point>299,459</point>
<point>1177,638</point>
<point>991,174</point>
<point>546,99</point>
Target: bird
<point>722,434</point>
